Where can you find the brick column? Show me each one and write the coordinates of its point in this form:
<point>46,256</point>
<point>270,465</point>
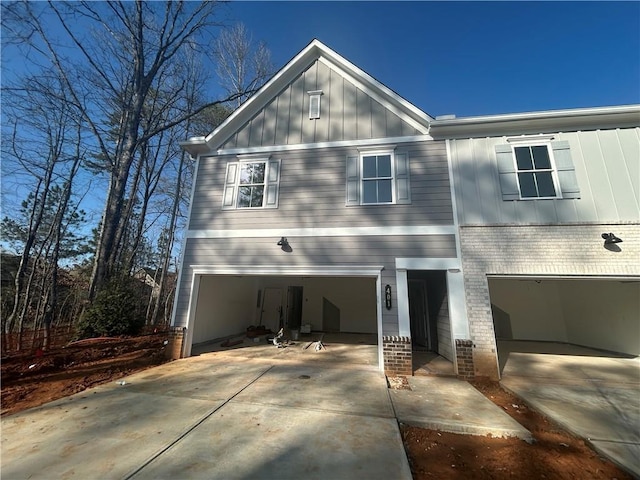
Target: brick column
<point>397,355</point>
<point>464,355</point>
<point>173,350</point>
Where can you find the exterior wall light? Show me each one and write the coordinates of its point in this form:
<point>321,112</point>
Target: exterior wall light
<point>610,238</point>
<point>284,244</point>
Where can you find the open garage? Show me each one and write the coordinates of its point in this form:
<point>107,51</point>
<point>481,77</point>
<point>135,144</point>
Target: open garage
<point>598,316</point>
<point>227,305</point>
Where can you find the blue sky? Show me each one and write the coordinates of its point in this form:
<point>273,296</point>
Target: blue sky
<point>469,58</point>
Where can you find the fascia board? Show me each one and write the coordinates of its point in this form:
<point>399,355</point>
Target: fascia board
<point>538,122</point>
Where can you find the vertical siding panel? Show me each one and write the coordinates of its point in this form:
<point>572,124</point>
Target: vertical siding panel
<point>620,182</point>
<point>296,111</point>
<point>350,131</point>
<point>336,107</point>
<point>269,128</point>
<point>468,182</point>
<point>393,124</point>
<point>487,183</point>
<point>324,84</point>
<point>598,177</point>
<point>363,120</point>
<point>256,130</point>
<point>310,84</point>
<point>378,120</point>
<point>283,116</point>
<point>630,146</point>
<point>242,138</point>
<point>407,129</point>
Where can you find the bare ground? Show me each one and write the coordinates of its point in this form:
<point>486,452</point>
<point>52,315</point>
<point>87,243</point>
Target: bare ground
<point>29,380</point>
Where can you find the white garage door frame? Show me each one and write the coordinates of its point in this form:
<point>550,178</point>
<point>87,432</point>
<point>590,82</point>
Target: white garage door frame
<point>198,271</point>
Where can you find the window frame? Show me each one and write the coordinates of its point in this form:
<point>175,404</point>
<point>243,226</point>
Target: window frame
<point>271,184</point>
<point>552,168</point>
<point>392,178</point>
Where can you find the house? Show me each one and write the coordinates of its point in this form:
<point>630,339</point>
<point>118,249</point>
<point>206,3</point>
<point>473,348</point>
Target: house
<point>323,201</point>
<point>549,225</point>
<point>327,199</point>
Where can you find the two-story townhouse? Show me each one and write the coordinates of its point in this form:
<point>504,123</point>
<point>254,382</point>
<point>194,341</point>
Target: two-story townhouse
<point>549,218</point>
<point>324,201</point>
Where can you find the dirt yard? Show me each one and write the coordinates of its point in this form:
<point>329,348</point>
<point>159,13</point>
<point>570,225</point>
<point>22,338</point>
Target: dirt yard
<point>29,380</point>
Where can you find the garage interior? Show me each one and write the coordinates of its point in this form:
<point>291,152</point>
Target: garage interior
<point>431,342</point>
<point>344,309</point>
<point>586,316</point>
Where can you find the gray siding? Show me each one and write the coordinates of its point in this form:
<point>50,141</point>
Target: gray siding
<point>607,165</point>
<point>313,193</point>
<point>347,113</point>
<point>310,251</point>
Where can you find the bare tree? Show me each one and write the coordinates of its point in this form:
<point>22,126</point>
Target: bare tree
<point>242,66</point>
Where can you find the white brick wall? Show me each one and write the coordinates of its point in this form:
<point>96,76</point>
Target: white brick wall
<point>546,250</point>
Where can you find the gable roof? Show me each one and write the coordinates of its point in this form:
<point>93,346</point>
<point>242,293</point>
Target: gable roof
<point>316,50</point>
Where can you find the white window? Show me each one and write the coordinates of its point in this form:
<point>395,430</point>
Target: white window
<point>378,178</point>
<point>536,169</point>
<point>251,184</point>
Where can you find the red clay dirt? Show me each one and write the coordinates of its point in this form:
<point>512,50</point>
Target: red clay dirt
<point>29,380</point>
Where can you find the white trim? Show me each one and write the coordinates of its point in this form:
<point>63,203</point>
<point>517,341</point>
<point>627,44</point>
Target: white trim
<point>392,160</point>
<point>428,263</point>
<point>326,232</point>
<point>290,270</point>
<point>311,146</point>
<point>531,276</point>
<point>552,162</point>
<point>529,139</point>
<point>402,295</point>
<point>379,322</point>
<point>454,202</point>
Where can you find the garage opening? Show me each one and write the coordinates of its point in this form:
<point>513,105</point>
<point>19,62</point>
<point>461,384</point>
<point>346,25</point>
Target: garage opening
<point>338,310</point>
<point>431,340</point>
<point>594,317</point>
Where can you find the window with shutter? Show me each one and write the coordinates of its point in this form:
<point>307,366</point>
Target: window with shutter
<point>378,178</point>
<point>251,184</point>
<point>536,170</point>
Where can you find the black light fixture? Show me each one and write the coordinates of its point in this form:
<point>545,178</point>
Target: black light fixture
<point>284,243</point>
<point>610,238</point>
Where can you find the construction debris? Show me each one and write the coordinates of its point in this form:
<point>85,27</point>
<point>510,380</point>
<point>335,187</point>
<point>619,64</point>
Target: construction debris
<point>231,343</point>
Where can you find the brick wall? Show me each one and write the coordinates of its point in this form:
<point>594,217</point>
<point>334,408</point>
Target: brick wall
<point>173,350</point>
<point>545,250</point>
<point>397,355</point>
<point>464,356</point>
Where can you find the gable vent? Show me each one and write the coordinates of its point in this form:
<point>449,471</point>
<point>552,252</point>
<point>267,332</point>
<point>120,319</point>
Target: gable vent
<point>314,104</point>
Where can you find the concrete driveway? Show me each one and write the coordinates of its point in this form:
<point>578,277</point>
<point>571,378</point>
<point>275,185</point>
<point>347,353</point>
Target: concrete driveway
<point>198,418</point>
<point>594,397</point>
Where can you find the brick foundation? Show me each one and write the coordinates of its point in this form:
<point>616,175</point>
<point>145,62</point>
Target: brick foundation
<point>173,350</point>
<point>464,355</point>
<point>397,355</point>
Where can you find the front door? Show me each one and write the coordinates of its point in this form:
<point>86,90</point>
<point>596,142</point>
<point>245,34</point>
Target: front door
<point>272,309</point>
<point>419,313</point>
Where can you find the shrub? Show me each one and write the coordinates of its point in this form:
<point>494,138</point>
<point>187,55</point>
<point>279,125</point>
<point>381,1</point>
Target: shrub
<point>116,310</point>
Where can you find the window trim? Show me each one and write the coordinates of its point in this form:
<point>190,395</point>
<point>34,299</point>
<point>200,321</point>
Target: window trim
<point>316,95</point>
<point>392,178</point>
<point>554,171</point>
<point>271,185</point>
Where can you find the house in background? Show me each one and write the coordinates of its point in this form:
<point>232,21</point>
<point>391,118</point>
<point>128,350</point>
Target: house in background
<point>542,199</point>
<point>323,200</point>
<point>327,199</point>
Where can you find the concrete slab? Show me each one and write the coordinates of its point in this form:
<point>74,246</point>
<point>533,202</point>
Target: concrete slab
<point>593,397</point>
<point>255,441</point>
<point>453,405</point>
<point>329,389</point>
<point>95,434</point>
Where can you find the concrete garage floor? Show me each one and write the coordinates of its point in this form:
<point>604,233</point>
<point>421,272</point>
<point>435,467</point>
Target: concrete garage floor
<point>593,394</point>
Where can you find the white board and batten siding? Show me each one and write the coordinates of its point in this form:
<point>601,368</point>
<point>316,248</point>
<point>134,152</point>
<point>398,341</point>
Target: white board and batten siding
<point>607,171</point>
<point>347,112</point>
